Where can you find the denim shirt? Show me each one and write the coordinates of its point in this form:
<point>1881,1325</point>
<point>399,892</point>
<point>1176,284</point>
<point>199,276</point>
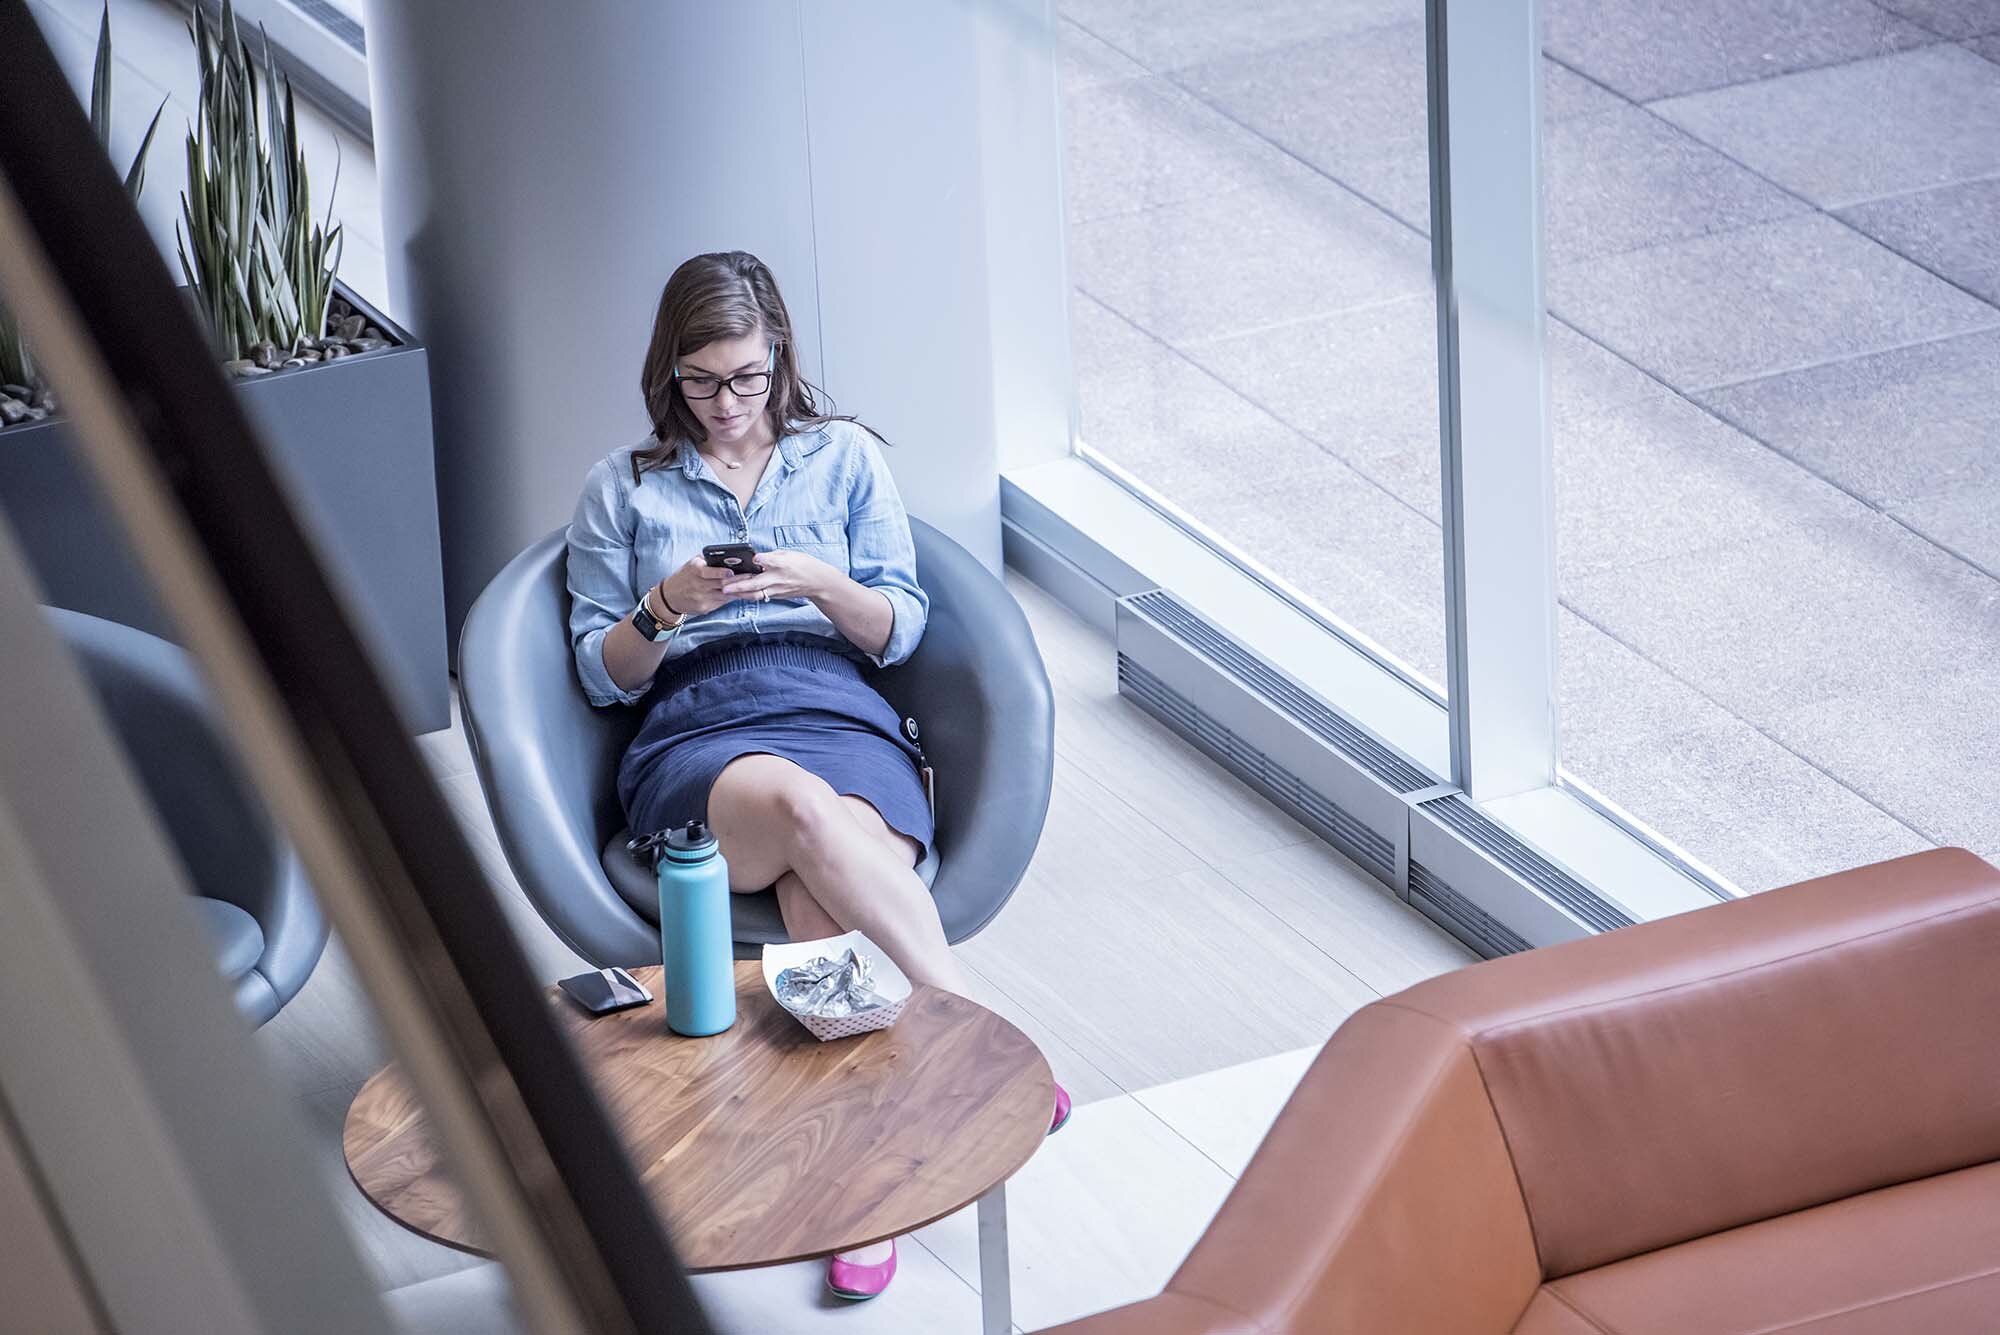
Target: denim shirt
<point>826,492</point>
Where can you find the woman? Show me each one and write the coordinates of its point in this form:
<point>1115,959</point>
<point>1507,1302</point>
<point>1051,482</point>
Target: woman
<point>759,716</point>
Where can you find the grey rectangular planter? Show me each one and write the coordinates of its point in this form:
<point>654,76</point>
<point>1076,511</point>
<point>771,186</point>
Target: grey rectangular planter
<point>353,437</point>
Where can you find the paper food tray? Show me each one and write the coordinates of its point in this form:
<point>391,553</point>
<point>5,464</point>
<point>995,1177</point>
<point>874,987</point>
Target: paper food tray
<point>884,976</point>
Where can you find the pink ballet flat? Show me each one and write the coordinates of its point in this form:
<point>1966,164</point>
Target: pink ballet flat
<point>1061,1118</point>
<point>857,1283</point>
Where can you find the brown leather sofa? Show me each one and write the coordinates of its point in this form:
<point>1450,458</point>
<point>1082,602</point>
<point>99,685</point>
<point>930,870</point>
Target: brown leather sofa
<point>1780,1114</point>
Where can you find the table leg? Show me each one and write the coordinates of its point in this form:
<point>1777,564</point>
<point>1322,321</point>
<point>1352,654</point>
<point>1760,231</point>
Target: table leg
<point>996,1293</point>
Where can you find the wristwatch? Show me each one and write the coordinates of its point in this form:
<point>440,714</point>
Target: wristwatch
<point>649,625</point>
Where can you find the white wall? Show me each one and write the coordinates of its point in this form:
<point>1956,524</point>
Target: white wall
<point>545,167</point>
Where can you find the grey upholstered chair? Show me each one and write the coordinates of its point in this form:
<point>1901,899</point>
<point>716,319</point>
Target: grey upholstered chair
<point>548,760</point>
<point>267,929</point>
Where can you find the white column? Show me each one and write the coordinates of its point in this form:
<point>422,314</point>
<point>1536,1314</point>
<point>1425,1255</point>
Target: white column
<point>545,167</point>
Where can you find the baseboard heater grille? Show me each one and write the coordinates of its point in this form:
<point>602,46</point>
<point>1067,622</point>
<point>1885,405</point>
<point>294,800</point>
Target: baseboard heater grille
<point>335,22</point>
<point>1296,702</point>
<point>1351,836</point>
<point>1487,834</point>
<point>1470,923</point>
<point>1360,794</point>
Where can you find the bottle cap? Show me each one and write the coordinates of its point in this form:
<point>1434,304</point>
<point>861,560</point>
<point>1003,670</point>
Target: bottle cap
<point>691,842</point>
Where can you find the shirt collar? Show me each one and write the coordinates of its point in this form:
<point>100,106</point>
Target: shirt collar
<point>792,449</point>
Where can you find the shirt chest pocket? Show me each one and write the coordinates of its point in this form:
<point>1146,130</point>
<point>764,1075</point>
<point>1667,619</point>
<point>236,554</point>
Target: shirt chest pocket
<point>825,539</point>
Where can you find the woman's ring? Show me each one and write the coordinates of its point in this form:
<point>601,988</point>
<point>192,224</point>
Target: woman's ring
<point>764,597</point>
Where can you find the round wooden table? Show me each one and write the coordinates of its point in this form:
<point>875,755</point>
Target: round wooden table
<point>763,1145</point>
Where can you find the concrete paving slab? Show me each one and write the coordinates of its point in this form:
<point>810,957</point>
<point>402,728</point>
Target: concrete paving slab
<point>1334,102</point>
<point>1965,520</point>
<point>1804,615</point>
<point>1648,50</point>
<point>1169,34</point>
<point>1179,429</point>
<point>1860,131</point>
<point>1565,93</point>
<point>1654,476</point>
<point>1293,246</point>
<point>1624,179</point>
<point>1920,746</point>
<point>1134,144</point>
<point>1950,18</point>
<point>1892,427</point>
<point>1703,778</point>
<point>1314,521</point>
<point>1759,301</point>
<point>1584,374</point>
<point>1362,384</point>
<point>1363,556</point>
<point>1084,60</point>
<point>1954,231</point>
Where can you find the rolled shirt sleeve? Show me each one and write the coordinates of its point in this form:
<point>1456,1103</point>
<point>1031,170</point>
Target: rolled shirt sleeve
<point>600,581</point>
<point>881,554</point>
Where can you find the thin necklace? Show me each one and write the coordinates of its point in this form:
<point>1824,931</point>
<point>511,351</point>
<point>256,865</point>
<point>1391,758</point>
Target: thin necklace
<point>738,463</point>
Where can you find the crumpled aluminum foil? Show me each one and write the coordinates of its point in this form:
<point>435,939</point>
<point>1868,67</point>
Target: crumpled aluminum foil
<point>829,987</point>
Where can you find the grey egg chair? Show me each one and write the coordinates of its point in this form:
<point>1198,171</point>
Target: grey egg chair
<point>548,760</point>
<point>252,897</point>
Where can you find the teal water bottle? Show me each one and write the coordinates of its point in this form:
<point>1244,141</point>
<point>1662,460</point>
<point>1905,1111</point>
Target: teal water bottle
<point>697,947</point>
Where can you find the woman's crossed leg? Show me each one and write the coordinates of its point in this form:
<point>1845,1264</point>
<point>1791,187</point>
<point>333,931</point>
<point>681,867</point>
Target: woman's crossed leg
<point>836,864</point>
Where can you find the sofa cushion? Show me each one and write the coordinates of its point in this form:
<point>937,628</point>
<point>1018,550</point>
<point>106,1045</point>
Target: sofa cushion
<point>1922,1256</point>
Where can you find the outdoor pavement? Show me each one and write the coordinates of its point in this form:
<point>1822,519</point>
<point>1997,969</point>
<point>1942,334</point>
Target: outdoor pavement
<point>1772,273</point>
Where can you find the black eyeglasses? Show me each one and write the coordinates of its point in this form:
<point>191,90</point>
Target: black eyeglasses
<point>747,385</point>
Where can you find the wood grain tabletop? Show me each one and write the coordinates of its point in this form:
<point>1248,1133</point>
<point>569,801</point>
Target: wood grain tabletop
<point>762,1145</point>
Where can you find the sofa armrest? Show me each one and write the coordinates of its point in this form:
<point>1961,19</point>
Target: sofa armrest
<point>1383,1199</point>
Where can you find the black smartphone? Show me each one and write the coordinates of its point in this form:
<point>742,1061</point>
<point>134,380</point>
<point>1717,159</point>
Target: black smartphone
<point>605,990</point>
<point>738,556</point>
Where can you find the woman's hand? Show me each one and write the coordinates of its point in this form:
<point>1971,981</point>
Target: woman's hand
<point>787,574</point>
<point>694,588</point>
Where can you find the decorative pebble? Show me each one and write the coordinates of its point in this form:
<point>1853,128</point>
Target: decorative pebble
<point>351,327</point>
<point>266,355</point>
<point>367,344</point>
<point>12,410</point>
<point>333,350</point>
<point>21,392</point>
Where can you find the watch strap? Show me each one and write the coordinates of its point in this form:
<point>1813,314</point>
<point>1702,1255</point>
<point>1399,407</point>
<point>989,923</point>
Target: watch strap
<point>646,623</point>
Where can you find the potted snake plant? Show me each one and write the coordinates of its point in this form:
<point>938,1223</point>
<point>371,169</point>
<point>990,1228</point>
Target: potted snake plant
<point>340,392</point>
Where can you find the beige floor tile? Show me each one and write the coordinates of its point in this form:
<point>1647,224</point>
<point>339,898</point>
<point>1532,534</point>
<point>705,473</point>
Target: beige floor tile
<point>1347,913</point>
<point>1225,1114</point>
<point>1157,979</point>
<point>1100,1216</point>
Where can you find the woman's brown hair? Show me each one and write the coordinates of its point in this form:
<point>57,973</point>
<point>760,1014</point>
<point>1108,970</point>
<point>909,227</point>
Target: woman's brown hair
<point>724,294</point>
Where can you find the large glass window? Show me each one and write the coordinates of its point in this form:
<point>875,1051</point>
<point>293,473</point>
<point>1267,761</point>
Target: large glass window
<point>1775,350</point>
<point>1253,318</point>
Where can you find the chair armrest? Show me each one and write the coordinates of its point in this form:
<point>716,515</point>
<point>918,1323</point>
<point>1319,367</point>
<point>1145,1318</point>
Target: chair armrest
<point>546,760</point>
<point>977,686</point>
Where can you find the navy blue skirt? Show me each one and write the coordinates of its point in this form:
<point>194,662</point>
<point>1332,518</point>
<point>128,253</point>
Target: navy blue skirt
<point>806,702</point>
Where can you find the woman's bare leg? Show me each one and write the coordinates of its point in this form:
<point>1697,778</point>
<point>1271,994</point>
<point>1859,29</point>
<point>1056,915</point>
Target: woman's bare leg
<point>836,866</point>
<point>773,817</point>
<point>805,920</point>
